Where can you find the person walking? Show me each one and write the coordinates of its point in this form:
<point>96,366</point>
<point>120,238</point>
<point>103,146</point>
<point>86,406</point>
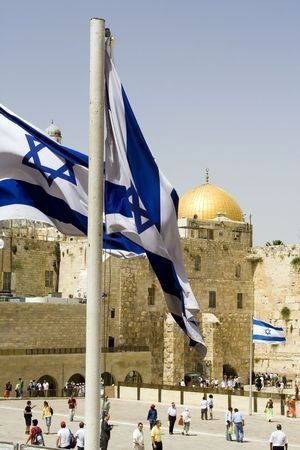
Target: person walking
<point>203,407</point>
<point>229,424</point>
<point>80,435</point>
<point>47,415</point>
<point>269,410</point>
<point>72,404</point>
<point>138,437</point>
<point>278,440</point>
<point>152,416</point>
<point>63,436</point>
<point>36,435</point>
<point>186,418</point>
<point>172,411</point>
<point>210,404</point>
<point>156,436</point>
<point>105,432</point>
<point>28,416</point>
<point>239,423</point>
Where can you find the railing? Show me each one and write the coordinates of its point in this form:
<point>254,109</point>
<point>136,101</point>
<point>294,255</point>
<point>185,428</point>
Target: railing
<point>281,398</point>
<point>126,348</point>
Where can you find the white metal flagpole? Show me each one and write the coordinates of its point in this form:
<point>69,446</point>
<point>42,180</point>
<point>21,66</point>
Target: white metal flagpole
<point>251,366</point>
<point>95,212</point>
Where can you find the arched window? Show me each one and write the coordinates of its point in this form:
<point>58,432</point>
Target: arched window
<point>133,377</point>
<point>108,379</point>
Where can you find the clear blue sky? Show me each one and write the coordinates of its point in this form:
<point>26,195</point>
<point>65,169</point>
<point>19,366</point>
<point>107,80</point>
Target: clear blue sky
<point>213,84</point>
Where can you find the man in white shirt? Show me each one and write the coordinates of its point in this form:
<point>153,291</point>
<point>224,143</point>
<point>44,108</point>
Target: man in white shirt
<point>63,436</point>
<point>278,440</point>
<point>172,417</point>
<point>203,407</point>
<point>228,422</point>
<point>80,437</point>
<point>238,421</point>
<point>45,388</point>
<point>138,437</point>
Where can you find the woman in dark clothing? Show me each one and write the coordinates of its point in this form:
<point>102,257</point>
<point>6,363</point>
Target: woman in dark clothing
<point>28,416</point>
<point>152,416</point>
<point>105,432</point>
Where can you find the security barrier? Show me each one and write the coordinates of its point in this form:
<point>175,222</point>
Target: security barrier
<point>8,446</point>
<point>28,447</point>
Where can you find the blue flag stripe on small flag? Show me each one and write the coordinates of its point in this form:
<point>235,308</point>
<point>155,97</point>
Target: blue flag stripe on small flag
<point>266,333</point>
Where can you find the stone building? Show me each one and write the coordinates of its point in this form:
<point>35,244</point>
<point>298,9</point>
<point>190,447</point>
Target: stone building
<point>140,340</point>
<point>215,244</point>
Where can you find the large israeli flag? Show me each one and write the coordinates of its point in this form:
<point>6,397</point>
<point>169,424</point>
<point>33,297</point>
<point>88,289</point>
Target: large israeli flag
<point>265,333</point>
<point>44,181</point>
<point>39,178</point>
<point>141,204</point>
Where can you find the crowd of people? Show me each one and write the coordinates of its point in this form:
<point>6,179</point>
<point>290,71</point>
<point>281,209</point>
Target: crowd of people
<point>42,389</point>
<point>234,424</point>
<point>65,438</point>
<point>228,382</point>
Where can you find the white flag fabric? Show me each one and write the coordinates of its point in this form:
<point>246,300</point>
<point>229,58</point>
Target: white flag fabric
<point>265,333</point>
<point>141,205</point>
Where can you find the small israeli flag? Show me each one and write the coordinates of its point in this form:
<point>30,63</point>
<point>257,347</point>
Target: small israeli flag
<point>265,333</point>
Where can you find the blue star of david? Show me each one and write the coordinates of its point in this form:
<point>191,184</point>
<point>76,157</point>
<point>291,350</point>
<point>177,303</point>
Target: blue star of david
<point>65,172</point>
<point>268,331</point>
<point>138,212</point>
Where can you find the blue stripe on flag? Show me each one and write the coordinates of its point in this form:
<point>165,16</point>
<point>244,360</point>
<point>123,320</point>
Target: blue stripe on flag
<point>259,337</point>
<point>180,322</point>
<point>165,271</point>
<point>116,200</point>
<point>266,324</point>
<point>14,192</point>
<point>175,199</point>
<point>139,157</point>
<point>116,241</point>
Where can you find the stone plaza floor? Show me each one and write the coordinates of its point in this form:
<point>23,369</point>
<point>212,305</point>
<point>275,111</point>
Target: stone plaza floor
<point>125,414</point>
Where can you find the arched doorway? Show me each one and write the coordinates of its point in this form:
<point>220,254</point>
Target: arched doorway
<point>133,377</point>
<point>108,379</point>
<point>75,386</point>
<point>76,378</point>
<point>52,391</point>
<point>229,371</point>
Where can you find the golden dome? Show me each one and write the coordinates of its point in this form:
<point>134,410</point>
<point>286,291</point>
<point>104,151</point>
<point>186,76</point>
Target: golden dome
<point>207,201</point>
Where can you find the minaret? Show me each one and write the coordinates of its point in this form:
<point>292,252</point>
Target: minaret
<point>54,132</point>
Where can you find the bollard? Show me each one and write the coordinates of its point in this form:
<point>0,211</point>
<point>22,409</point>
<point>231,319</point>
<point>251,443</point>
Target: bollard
<point>181,396</point>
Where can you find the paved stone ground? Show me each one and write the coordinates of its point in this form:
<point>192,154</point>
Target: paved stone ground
<point>207,435</point>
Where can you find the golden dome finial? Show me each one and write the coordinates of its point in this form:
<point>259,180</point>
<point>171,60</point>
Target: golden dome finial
<point>207,175</point>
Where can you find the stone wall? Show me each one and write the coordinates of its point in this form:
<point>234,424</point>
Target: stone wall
<point>277,286</point>
<point>27,258</point>
<point>225,269</point>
